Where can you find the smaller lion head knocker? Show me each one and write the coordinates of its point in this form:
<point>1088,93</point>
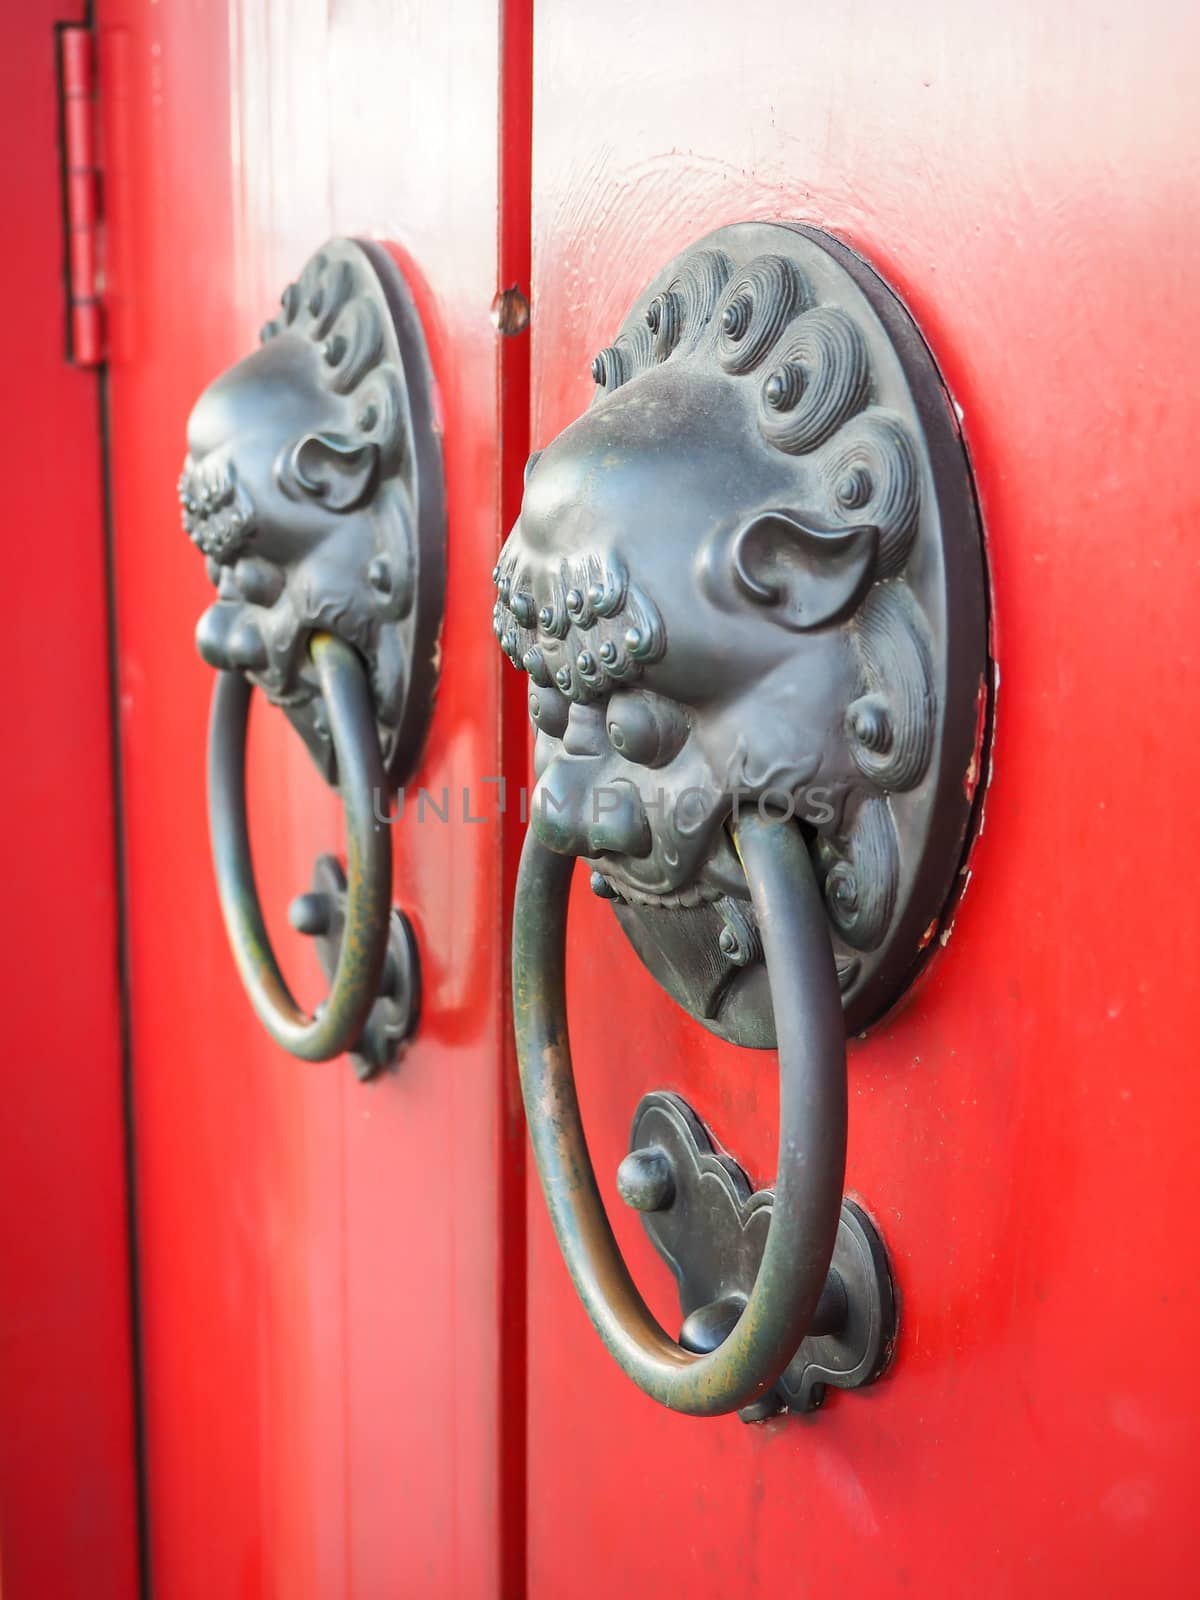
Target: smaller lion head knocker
<point>313,487</point>
<point>750,576</point>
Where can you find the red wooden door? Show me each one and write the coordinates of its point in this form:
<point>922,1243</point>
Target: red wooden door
<point>68,1488</point>
<point>1023,1127</point>
<point>330,1379</point>
<point>330,1277</point>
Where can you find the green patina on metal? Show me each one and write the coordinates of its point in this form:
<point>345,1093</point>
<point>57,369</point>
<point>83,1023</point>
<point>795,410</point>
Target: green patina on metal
<point>356,980</point>
<point>808,1184</point>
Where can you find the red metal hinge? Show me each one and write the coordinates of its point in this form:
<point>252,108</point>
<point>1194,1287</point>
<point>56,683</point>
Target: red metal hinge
<point>81,188</point>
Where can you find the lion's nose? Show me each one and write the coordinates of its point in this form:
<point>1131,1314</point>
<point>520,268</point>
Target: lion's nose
<point>227,637</point>
<point>579,811</point>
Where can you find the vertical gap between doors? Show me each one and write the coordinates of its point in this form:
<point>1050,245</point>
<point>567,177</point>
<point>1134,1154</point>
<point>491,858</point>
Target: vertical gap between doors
<point>121,902</point>
<point>513,266</point>
<point>141,1476</point>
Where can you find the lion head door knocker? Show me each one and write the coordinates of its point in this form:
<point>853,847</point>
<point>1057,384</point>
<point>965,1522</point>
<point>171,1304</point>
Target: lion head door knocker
<point>313,485</point>
<point>747,588</point>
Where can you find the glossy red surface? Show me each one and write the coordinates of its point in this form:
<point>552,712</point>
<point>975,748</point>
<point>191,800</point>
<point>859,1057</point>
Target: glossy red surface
<point>341,1373</point>
<point>328,1340</point>
<point>67,1479</point>
<point>1023,1128</point>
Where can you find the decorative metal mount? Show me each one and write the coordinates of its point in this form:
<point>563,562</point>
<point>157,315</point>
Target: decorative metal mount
<point>321,913</point>
<point>710,1228</point>
<point>751,576</point>
<point>313,486</point>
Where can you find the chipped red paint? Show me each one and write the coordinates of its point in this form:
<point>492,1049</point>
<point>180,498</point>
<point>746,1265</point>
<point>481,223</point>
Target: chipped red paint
<point>984,702</point>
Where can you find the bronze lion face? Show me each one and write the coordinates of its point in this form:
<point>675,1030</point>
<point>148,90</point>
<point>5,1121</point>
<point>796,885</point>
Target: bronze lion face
<point>727,588</point>
<point>312,485</point>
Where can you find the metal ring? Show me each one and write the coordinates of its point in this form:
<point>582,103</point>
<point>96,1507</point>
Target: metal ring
<point>812,1129</point>
<point>339,1023</point>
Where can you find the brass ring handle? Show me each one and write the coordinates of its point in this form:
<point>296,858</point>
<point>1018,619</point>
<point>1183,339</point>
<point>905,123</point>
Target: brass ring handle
<point>812,1129</point>
<point>339,1023</point>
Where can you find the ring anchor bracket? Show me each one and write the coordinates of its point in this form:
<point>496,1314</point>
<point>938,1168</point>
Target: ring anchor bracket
<point>320,913</point>
<point>710,1227</point>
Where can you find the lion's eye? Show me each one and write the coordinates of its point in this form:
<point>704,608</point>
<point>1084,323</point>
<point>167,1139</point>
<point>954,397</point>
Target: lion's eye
<point>645,728</point>
<point>548,711</point>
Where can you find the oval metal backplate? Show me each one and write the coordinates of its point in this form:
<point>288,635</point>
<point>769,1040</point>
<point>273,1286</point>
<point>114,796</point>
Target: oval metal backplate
<point>752,574</point>
<point>314,487</point>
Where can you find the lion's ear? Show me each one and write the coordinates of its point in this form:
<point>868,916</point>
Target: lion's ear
<point>805,574</point>
<point>331,469</point>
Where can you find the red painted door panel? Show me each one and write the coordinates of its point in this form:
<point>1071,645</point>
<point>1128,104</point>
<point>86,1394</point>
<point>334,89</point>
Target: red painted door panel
<point>331,1276</point>
<point>67,1453</point>
<point>1023,1128</point>
<point>325,1331</point>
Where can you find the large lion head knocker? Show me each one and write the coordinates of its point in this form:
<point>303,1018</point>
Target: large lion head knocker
<point>728,586</point>
<point>747,589</point>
